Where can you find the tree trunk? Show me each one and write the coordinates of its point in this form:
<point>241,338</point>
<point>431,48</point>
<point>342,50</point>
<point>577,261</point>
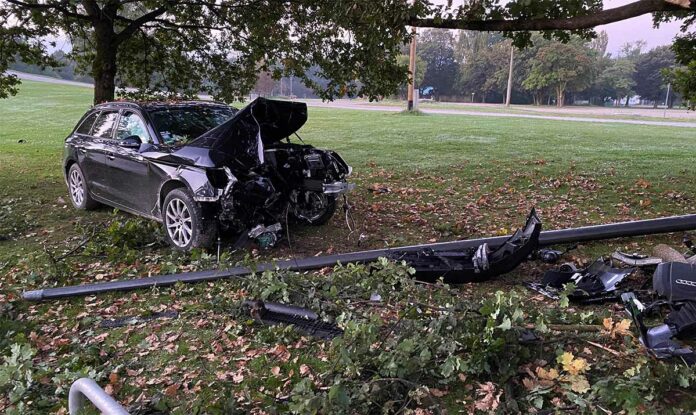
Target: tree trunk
<point>104,65</point>
<point>560,96</point>
<point>627,98</point>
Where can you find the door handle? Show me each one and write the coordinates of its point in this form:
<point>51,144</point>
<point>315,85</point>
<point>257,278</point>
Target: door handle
<point>110,156</point>
<point>82,150</point>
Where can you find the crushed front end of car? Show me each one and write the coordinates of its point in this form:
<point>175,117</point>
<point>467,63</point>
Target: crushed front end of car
<point>259,179</point>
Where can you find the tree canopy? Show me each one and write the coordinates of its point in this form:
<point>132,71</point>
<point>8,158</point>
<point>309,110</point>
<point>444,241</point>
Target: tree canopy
<point>485,72</point>
<point>616,80</point>
<point>559,66</point>
<point>684,76</point>
<point>649,79</point>
<point>186,46</point>
<point>436,50</point>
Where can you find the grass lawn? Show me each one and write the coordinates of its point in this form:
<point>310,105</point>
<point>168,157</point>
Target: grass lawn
<point>439,177</point>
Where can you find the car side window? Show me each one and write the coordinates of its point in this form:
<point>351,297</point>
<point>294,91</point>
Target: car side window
<point>104,126</point>
<point>87,123</point>
<point>131,124</point>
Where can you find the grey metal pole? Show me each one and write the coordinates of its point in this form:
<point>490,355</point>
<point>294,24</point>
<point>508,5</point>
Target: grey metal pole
<point>669,86</point>
<point>509,84</point>
<point>547,238</point>
<point>85,389</point>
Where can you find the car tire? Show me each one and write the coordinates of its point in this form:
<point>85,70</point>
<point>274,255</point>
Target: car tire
<point>186,226</point>
<point>320,217</point>
<point>78,190</point>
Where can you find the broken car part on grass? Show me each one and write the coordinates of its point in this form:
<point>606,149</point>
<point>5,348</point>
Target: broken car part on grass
<point>673,283</point>
<point>546,238</point>
<point>203,167</point>
<point>474,264</point>
<point>635,259</point>
<point>303,320</point>
<point>661,340</point>
<point>597,283</point>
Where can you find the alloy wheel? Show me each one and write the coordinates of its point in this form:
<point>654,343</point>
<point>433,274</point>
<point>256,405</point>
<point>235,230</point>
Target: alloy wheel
<point>77,187</point>
<point>178,221</point>
<point>310,206</point>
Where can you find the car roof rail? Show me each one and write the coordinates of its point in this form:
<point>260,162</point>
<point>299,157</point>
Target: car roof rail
<point>118,104</point>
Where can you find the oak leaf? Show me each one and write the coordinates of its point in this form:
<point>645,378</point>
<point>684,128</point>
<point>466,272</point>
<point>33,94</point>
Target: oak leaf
<point>171,389</point>
<point>551,374</point>
<point>579,384</point>
<point>488,399</point>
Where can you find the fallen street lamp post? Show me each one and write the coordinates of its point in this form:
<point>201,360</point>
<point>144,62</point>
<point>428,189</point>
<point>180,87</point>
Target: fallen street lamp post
<point>547,238</point>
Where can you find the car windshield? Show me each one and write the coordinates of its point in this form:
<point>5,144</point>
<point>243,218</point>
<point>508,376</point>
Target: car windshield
<point>178,125</point>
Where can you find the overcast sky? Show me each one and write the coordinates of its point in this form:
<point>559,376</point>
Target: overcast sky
<point>638,28</point>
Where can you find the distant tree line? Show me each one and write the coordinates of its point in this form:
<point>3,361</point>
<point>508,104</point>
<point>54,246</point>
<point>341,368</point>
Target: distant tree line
<point>473,66</point>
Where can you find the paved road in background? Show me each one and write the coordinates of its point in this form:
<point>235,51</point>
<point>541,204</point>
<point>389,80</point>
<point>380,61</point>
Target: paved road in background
<point>358,105</point>
<point>48,79</point>
<point>361,105</point>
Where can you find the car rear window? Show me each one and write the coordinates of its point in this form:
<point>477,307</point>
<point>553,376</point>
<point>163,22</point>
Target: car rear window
<point>104,126</point>
<point>87,123</point>
<point>178,125</point>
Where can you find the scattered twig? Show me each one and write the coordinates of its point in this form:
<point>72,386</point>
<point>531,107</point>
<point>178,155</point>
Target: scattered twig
<point>606,411</point>
<point>404,406</point>
<point>56,259</point>
<point>576,327</point>
<point>394,326</point>
<point>48,253</point>
<point>606,349</point>
<point>76,248</point>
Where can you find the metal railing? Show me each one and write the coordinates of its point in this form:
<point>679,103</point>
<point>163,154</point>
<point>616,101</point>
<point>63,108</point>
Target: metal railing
<point>85,389</point>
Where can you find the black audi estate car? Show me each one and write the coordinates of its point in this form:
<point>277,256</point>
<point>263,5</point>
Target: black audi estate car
<point>202,167</point>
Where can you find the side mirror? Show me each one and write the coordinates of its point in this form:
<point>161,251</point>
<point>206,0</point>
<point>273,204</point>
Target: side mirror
<point>132,142</point>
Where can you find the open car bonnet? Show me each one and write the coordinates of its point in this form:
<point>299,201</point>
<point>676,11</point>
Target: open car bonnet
<point>242,138</point>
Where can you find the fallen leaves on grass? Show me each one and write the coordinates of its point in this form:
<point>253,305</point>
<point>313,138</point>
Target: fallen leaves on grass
<point>571,364</point>
<point>622,328</point>
<point>642,183</point>
<point>551,374</point>
<point>488,397</point>
<point>438,393</point>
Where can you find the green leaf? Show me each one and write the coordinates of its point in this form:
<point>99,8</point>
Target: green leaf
<point>506,324</point>
<point>338,396</point>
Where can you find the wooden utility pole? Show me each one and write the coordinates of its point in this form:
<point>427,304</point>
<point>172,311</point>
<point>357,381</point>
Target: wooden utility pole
<point>412,69</point>
<point>508,96</point>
